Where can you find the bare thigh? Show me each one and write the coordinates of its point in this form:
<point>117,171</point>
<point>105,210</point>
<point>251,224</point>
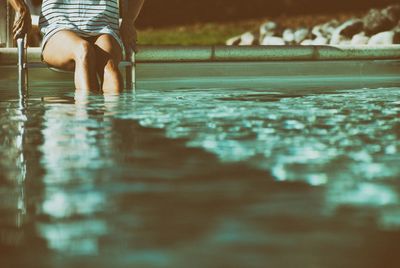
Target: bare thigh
<point>60,50</point>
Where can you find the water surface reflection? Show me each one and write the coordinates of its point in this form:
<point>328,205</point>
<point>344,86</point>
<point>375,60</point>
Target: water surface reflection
<point>195,178</point>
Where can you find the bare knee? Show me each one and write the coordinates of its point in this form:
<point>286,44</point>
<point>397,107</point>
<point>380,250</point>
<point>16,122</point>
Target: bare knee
<point>84,52</point>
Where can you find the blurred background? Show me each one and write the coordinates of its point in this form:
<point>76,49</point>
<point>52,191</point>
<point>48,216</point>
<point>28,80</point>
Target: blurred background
<point>213,22</point>
<point>163,13</point>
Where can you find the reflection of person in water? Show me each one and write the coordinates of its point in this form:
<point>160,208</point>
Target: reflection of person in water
<point>84,36</point>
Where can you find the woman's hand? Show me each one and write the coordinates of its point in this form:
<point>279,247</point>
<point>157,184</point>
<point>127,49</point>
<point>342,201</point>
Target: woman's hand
<point>22,23</point>
<point>128,35</point>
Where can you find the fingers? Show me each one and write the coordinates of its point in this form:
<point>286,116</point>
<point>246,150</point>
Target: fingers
<point>22,25</point>
<point>18,26</point>
<point>18,23</point>
<point>19,32</point>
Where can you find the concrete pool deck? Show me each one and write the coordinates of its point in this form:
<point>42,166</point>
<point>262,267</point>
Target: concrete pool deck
<point>255,66</point>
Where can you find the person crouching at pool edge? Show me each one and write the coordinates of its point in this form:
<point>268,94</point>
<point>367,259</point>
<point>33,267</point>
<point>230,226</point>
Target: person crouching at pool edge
<point>90,43</point>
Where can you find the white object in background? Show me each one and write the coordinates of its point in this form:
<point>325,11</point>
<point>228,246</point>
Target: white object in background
<point>383,38</point>
<point>288,36</point>
<point>317,31</point>
<point>306,42</point>
<point>272,41</point>
<point>342,35</point>
<point>320,41</point>
<point>360,39</point>
<point>268,28</point>
<point>246,39</point>
<point>337,38</point>
<point>300,35</point>
<point>345,42</point>
<point>234,41</point>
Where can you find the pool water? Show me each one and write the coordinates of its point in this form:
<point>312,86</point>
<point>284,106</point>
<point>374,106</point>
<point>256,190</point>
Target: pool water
<point>200,178</point>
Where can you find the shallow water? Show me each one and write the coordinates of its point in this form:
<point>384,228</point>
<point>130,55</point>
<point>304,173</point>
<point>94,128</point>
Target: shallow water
<point>201,178</point>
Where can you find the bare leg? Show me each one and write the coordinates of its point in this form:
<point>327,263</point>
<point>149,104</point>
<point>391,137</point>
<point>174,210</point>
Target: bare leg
<point>67,50</point>
<point>108,56</point>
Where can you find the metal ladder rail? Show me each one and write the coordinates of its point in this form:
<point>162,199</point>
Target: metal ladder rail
<point>22,69</point>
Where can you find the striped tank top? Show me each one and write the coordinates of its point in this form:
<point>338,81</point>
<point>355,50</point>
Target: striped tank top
<point>85,17</point>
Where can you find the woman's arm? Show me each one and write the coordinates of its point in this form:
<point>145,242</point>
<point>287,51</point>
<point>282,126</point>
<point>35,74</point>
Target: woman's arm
<point>23,21</point>
<point>131,9</point>
<point>130,12</point>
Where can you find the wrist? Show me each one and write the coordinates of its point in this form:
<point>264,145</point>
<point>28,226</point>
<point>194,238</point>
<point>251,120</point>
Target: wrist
<point>128,21</point>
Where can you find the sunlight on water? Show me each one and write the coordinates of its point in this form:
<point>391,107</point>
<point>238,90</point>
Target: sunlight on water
<point>306,138</point>
<point>347,140</point>
<point>157,177</point>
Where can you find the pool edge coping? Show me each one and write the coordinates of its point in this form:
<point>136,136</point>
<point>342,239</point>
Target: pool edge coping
<point>147,54</point>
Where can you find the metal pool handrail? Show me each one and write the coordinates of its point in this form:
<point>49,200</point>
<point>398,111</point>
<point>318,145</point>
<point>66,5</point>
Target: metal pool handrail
<point>24,65</point>
<point>22,68</point>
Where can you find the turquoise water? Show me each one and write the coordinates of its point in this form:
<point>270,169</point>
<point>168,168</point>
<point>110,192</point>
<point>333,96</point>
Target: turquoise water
<point>200,178</point>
